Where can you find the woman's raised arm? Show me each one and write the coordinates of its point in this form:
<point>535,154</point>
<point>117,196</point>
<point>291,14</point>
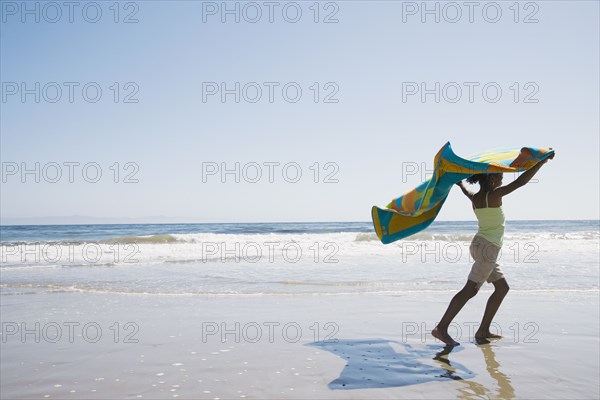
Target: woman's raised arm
<point>522,179</point>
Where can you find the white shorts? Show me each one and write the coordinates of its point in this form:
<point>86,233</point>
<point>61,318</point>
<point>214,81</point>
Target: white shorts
<point>485,268</point>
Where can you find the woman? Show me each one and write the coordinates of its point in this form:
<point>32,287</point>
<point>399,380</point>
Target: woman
<point>487,205</point>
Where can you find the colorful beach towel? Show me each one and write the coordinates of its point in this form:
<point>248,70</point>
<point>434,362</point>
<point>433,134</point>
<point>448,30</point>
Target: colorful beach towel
<point>415,210</point>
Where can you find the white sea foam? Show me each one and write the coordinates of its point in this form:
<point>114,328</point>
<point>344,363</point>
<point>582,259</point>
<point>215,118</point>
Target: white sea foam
<point>292,263</point>
<point>254,248</point>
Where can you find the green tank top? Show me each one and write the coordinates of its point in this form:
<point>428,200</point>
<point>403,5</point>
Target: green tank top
<point>491,223</point>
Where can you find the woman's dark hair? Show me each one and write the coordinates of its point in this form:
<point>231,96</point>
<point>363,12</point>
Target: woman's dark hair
<point>473,179</point>
<point>482,179</point>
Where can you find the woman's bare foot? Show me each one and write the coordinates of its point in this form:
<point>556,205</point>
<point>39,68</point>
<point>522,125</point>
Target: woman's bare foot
<point>444,337</point>
<point>486,335</point>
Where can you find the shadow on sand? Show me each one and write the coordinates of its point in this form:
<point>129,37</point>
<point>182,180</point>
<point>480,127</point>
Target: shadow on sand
<point>379,363</point>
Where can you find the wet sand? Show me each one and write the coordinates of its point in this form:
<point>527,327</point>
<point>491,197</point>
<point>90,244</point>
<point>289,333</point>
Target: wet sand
<point>101,345</point>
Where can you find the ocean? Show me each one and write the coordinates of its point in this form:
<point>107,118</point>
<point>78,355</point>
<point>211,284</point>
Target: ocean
<point>261,259</point>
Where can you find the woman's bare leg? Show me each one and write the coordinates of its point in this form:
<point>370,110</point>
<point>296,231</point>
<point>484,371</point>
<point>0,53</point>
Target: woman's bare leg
<point>456,304</point>
<point>500,290</point>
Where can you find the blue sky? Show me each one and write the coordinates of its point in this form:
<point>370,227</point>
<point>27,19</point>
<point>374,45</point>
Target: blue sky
<point>362,136</point>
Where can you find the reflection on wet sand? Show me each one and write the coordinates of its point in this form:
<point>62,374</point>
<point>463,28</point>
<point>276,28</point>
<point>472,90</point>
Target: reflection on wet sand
<point>470,389</point>
<point>505,389</point>
<point>442,358</point>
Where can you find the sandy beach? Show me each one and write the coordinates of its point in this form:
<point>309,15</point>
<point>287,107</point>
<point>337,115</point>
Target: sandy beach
<point>295,347</point>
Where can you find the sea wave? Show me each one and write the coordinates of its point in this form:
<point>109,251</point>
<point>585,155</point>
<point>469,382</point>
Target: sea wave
<point>339,237</point>
<point>465,237</point>
<point>271,248</point>
<point>25,289</point>
<point>150,239</point>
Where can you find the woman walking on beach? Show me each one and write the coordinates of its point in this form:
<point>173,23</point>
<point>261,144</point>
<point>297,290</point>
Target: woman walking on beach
<point>487,205</point>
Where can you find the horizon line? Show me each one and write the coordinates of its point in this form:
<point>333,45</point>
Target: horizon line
<point>2,224</point>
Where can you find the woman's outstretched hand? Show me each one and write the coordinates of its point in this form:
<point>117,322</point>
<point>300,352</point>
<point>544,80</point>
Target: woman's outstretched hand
<point>550,157</point>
